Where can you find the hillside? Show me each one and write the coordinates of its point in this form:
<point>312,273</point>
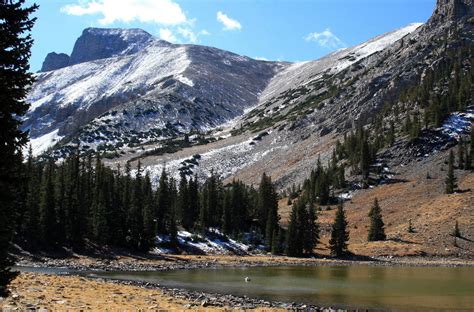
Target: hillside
<point>196,111</point>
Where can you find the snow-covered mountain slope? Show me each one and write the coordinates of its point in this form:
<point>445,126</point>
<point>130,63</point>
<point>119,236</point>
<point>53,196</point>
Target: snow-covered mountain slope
<point>303,73</point>
<point>158,91</point>
<point>308,106</point>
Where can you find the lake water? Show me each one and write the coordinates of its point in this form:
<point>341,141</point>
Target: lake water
<point>355,286</point>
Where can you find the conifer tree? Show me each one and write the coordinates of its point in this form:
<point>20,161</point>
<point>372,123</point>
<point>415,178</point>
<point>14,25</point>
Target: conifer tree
<point>227,213</point>
<point>470,158</point>
<point>456,231</point>
<point>450,177</point>
<point>293,244</point>
<point>48,218</point>
<point>30,225</point>
<point>148,230</point>
<point>339,234</point>
<point>100,227</point>
<point>311,235</point>
<point>365,160</point>
<point>194,202</point>
<point>376,230</point>
<point>15,45</point>
<point>184,212</point>
<point>268,208</point>
<point>163,206</point>
<point>461,149</point>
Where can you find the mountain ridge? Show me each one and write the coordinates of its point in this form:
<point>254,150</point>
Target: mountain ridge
<point>45,93</point>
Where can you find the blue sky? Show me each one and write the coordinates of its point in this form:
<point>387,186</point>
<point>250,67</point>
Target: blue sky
<point>289,30</point>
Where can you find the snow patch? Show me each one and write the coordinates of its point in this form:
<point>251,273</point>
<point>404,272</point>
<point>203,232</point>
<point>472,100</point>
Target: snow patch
<point>214,242</point>
<point>185,80</point>
<point>42,143</point>
<point>458,123</point>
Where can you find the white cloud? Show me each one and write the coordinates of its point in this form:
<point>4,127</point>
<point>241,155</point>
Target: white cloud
<point>326,39</point>
<point>204,33</point>
<point>188,34</point>
<point>261,58</point>
<point>165,12</point>
<point>229,23</point>
<point>167,34</point>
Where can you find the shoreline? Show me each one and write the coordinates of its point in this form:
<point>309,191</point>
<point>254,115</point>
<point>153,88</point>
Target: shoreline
<point>186,262</point>
<point>190,299</point>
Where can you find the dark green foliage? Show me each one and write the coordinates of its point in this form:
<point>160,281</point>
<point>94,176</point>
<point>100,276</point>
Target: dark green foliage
<point>303,230</point>
<point>376,230</point>
<point>15,45</point>
<point>456,231</point>
<point>360,151</point>
<point>410,228</point>
<point>469,152</point>
<point>311,230</point>
<point>450,181</point>
<point>268,208</point>
<point>317,188</point>
<point>461,154</point>
<point>339,234</point>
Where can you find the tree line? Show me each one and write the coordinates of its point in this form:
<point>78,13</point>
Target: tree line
<point>81,200</point>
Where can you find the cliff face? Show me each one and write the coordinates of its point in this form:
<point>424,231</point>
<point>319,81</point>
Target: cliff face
<point>100,43</point>
<point>451,10</point>
<point>55,61</point>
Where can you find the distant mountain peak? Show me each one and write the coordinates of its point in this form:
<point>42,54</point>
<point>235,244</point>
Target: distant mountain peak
<point>99,43</point>
<point>55,61</point>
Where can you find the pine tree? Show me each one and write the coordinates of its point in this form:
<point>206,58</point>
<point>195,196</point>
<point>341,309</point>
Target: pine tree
<point>48,217</point>
<point>148,229</point>
<point>450,178</point>
<point>456,231</point>
<point>376,230</point>
<point>194,202</point>
<point>391,134</point>
<point>311,235</point>
<point>31,223</point>
<point>14,79</point>
<point>268,208</point>
<point>461,150</point>
<point>365,160</point>
<point>339,234</point>
<point>293,244</point>
<point>163,204</point>
<point>470,158</point>
<point>227,213</point>
<point>99,209</point>
<point>184,212</point>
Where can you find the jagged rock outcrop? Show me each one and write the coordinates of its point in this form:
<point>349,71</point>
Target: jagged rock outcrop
<point>451,10</point>
<point>100,43</point>
<point>55,61</point>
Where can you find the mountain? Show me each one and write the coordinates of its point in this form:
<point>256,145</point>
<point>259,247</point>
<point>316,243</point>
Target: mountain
<point>98,43</point>
<point>149,89</point>
<point>307,107</point>
<point>243,116</point>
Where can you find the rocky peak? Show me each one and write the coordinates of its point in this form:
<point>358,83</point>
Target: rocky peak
<point>55,61</point>
<point>99,43</point>
<point>451,10</point>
